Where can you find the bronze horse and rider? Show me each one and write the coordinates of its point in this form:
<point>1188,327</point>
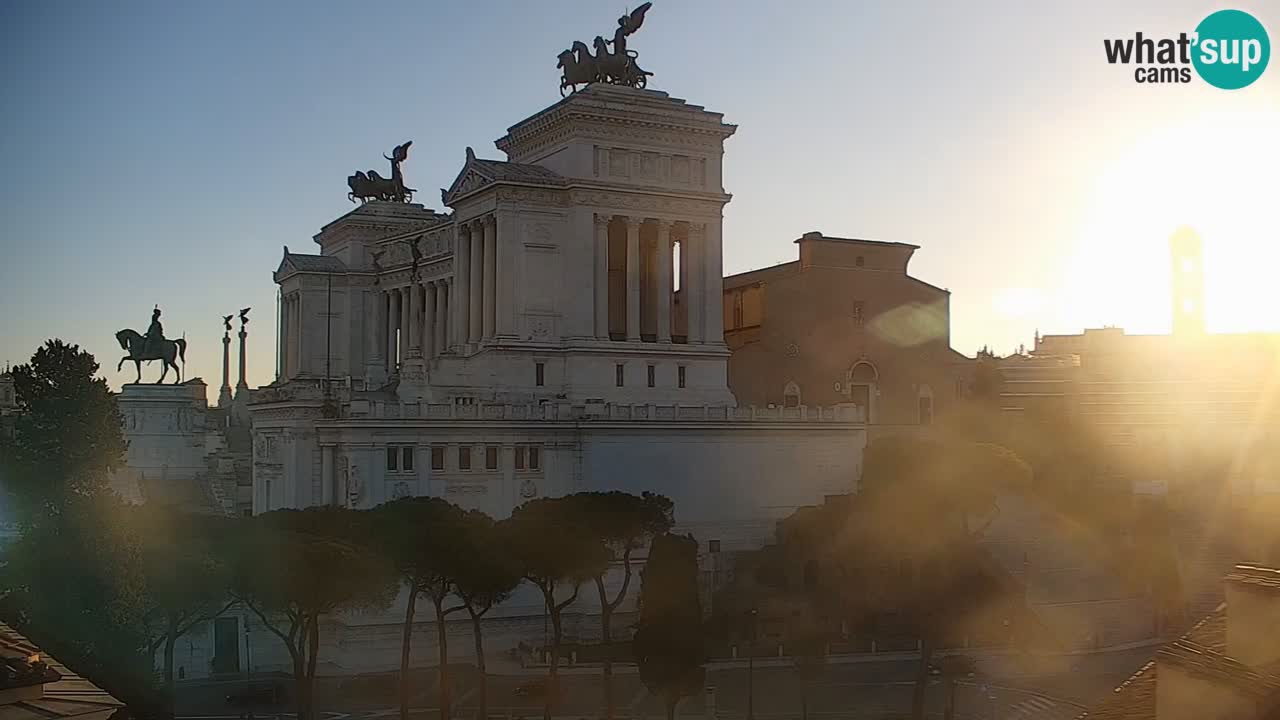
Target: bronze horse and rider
<point>580,67</point>
<point>152,346</point>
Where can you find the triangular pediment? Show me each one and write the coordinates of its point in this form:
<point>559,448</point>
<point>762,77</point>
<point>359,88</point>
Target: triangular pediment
<point>468,181</point>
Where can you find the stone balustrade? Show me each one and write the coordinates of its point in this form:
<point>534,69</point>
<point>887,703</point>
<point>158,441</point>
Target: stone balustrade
<point>600,412</point>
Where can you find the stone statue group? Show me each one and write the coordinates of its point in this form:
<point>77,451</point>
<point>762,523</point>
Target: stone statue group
<point>617,67</point>
<point>152,346</point>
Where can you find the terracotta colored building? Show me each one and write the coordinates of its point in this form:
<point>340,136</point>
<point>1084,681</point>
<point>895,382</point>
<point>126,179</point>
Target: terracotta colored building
<point>845,323</point>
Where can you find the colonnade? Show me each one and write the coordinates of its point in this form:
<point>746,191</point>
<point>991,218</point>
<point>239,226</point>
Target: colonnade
<point>635,280</point>
<point>416,320</point>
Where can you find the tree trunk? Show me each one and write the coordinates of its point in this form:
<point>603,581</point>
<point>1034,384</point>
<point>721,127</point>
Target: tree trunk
<point>170,638</point>
<point>404,652</point>
<point>553,674</point>
<point>300,681</point>
<point>480,666</point>
<point>606,637</point>
<point>314,641</point>
<point>442,640</point>
<point>922,678</point>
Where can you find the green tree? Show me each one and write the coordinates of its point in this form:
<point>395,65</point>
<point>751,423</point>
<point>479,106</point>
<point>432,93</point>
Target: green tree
<point>928,500</point>
<point>623,523</point>
<point>66,437</point>
<point>668,644</point>
<point>488,577</point>
<point>76,589</point>
<point>555,549</point>
<point>425,539</point>
<point>292,568</point>
<point>72,581</point>
<point>184,576</point>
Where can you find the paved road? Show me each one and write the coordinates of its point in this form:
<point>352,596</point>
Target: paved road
<point>1014,689</point>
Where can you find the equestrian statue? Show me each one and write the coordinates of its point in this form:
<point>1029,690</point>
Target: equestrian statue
<point>152,346</point>
<point>617,67</point>
<point>372,186</point>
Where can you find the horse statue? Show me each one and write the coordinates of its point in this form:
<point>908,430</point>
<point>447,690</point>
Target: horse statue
<point>168,351</point>
<point>372,186</point>
<point>580,67</point>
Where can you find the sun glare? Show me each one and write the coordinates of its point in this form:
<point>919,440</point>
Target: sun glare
<point>1215,174</point>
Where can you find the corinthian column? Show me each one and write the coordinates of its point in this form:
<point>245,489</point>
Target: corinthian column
<point>428,320</point>
<point>601,247</point>
<point>442,315</point>
<point>475,301</point>
<point>393,325</point>
<point>462,284</point>
<point>490,291</point>
<point>664,281</point>
<point>413,326</point>
<point>633,278</point>
<point>695,297</point>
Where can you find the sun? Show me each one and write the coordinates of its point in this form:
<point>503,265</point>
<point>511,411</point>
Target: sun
<point>1215,173</point>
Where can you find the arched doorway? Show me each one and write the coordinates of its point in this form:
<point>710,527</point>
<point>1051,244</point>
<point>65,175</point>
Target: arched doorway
<point>864,387</point>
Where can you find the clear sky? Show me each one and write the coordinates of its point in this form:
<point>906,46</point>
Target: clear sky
<point>163,152</point>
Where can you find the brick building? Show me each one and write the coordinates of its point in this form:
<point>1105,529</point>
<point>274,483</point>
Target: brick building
<point>845,323</point>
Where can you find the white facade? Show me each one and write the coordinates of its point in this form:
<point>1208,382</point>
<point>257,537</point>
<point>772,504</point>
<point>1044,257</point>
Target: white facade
<point>561,330</point>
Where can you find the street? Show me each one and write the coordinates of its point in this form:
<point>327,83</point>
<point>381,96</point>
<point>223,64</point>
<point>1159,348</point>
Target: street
<point>1007,690</point>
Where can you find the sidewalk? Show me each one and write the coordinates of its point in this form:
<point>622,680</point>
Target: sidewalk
<point>507,667</point>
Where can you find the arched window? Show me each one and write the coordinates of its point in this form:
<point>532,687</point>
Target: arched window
<point>791,395</point>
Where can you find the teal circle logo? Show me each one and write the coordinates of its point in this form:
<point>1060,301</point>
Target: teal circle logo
<point>1232,49</point>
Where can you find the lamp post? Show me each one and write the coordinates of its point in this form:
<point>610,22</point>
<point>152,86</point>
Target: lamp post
<point>751,666</point>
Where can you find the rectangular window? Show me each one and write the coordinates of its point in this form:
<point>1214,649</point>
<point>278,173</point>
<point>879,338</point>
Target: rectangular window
<point>926,410</point>
<point>437,458</point>
<point>491,458</point>
<point>519,457</point>
<point>713,546</point>
<point>406,459</point>
<point>539,374</point>
<point>393,459</point>
<point>652,374</point>
<point>464,457</point>
<point>617,373</point>
<point>535,458</point>
<point>680,376</point>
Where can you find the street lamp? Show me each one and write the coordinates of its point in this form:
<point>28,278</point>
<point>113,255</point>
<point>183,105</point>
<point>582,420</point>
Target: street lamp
<point>751,666</point>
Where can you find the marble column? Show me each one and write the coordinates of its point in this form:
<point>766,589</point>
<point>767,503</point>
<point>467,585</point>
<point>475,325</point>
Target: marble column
<point>475,299</point>
<point>462,284</point>
<point>428,320</point>
<point>713,291</point>
<point>442,315</point>
<point>694,294</point>
<point>601,246</point>
<point>405,321</point>
<point>633,278</point>
<point>490,293</point>
<point>372,327</point>
<point>282,365</point>
<point>663,265</point>
<point>684,282</point>
<point>393,321</point>
<point>326,475</point>
<point>414,329</point>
